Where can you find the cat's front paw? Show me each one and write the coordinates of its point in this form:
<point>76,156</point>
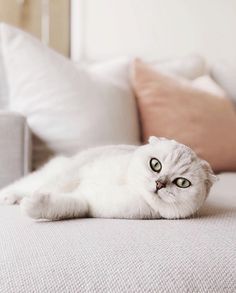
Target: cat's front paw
<point>36,206</point>
<point>10,198</point>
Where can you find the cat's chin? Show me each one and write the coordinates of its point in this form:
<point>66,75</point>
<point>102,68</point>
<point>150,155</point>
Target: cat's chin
<point>172,211</point>
<point>175,210</point>
<point>165,197</point>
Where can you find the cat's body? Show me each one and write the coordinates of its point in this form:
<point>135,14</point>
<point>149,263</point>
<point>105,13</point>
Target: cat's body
<point>116,182</point>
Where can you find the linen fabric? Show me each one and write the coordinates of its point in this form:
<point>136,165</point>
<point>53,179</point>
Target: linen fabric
<point>104,255</point>
<point>15,147</point>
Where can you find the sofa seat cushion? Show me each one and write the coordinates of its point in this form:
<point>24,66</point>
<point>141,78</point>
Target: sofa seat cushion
<point>103,255</point>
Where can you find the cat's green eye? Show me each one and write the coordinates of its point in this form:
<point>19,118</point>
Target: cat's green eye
<point>155,165</point>
<point>182,182</point>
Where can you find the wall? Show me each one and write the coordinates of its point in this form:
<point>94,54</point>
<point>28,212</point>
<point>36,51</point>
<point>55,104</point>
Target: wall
<point>26,14</point>
<point>156,29</point>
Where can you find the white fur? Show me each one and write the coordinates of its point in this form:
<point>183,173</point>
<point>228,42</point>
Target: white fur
<point>115,182</point>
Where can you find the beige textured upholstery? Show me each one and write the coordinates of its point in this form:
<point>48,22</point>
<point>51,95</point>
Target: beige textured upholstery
<point>14,147</point>
<point>100,256</point>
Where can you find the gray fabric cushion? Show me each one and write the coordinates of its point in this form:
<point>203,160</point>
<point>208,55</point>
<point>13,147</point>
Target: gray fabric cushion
<point>15,152</point>
<point>96,255</point>
<point>4,92</point>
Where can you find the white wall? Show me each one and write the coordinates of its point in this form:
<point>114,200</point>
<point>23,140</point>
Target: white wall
<point>155,29</point>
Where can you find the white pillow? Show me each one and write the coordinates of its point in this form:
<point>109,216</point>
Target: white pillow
<point>207,84</point>
<point>67,108</point>
<point>189,67</point>
<point>225,75</point>
<point>117,71</point>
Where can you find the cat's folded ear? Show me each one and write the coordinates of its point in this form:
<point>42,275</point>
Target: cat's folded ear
<point>211,178</point>
<point>153,140</point>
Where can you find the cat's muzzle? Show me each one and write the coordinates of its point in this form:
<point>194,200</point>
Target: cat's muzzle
<point>160,185</point>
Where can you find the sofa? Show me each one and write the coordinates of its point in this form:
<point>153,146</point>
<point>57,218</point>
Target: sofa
<point>105,255</point>
<point>197,254</point>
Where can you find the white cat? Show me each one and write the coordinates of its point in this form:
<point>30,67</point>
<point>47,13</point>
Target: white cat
<point>159,179</point>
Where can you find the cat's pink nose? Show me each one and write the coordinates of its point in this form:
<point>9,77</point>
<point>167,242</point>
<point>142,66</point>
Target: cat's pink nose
<point>160,185</point>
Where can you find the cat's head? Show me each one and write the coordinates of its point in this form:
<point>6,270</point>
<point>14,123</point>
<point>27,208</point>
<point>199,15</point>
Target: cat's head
<point>173,179</point>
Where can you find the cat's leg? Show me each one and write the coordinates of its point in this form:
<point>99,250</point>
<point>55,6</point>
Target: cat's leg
<point>45,178</point>
<point>54,206</point>
<point>14,193</point>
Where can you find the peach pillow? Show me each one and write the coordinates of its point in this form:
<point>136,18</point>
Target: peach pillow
<point>177,109</point>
